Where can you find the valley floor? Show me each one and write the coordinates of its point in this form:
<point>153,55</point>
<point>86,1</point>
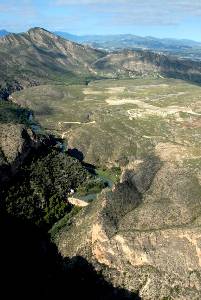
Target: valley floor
<point>115,121</point>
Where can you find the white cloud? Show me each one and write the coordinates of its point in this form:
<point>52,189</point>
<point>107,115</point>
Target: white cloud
<point>98,13</point>
<point>192,7</point>
<point>139,12</point>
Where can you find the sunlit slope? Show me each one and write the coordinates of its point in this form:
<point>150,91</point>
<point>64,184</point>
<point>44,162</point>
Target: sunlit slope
<point>39,57</point>
<point>116,121</point>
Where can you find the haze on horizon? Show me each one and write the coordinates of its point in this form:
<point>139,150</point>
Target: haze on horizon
<point>179,19</point>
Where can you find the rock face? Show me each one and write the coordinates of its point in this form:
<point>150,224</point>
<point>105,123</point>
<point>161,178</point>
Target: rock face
<point>16,142</point>
<point>144,235</point>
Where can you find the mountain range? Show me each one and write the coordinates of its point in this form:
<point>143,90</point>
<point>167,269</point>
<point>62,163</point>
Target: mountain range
<point>182,47</point>
<point>130,41</point>
<point>39,56</point>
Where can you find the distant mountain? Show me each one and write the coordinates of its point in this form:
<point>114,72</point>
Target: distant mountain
<point>183,47</point>
<point>3,32</point>
<point>69,36</point>
<point>130,40</point>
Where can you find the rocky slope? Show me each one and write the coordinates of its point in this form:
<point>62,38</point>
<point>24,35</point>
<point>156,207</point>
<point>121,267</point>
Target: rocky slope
<point>39,56</point>
<point>16,142</point>
<point>145,235</point>
<point>143,63</point>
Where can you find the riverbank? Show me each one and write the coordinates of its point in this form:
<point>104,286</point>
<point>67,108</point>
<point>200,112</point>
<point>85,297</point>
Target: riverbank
<point>105,178</point>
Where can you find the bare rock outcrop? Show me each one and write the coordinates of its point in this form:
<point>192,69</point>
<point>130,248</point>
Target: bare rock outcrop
<point>16,142</point>
<point>145,235</point>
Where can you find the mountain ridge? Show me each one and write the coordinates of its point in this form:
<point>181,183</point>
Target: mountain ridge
<point>100,37</point>
<point>45,58</point>
<point>183,47</point>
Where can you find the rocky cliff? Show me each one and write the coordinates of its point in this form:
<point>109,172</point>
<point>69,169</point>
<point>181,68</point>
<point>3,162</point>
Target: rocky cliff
<point>16,143</point>
<point>145,234</point>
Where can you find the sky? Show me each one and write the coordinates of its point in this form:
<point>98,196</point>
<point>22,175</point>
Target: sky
<point>159,18</point>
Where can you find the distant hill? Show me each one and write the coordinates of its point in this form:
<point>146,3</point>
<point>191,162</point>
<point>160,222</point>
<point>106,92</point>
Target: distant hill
<point>145,63</point>
<point>3,32</point>
<point>69,36</point>
<point>129,41</point>
<point>181,47</point>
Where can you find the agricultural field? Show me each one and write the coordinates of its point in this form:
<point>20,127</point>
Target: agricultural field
<point>115,122</point>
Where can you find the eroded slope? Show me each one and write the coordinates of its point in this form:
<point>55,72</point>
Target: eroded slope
<point>145,235</point>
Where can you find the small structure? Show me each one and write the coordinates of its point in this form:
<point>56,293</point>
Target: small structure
<point>72,191</point>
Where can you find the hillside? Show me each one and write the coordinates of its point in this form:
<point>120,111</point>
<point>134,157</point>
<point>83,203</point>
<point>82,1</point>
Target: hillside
<point>145,235</point>
<point>39,56</point>
<point>144,63</point>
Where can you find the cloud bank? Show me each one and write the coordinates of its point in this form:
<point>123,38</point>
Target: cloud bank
<point>88,15</point>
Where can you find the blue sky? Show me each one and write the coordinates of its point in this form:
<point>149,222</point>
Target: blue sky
<point>160,18</point>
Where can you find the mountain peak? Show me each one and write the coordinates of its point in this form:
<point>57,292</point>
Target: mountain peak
<point>41,36</point>
<point>37,29</point>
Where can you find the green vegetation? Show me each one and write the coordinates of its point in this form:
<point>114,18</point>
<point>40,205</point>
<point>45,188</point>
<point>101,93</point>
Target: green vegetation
<point>93,186</point>
<point>39,191</point>
<point>65,221</point>
<point>13,113</point>
<point>113,174</point>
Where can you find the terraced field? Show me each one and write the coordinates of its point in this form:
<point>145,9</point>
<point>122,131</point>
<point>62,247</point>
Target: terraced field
<point>114,122</point>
